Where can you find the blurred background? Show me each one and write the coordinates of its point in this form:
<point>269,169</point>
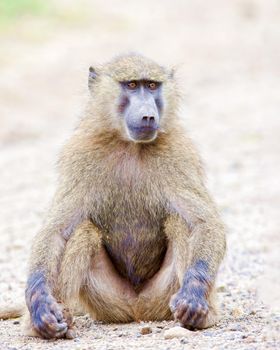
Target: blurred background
<point>227,55</point>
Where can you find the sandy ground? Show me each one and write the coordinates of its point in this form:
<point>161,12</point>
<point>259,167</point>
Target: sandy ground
<point>228,58</point>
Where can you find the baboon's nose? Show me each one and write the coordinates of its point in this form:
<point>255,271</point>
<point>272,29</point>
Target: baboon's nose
<point>148,121</point>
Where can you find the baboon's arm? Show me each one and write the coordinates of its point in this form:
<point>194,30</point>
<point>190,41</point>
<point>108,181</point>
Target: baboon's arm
<point>67,211</point>
<point>198,239</point>
<point>199,227</point>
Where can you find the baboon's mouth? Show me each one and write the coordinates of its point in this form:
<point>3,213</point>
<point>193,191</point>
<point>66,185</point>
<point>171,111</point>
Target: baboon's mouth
<point>143,133</point>
<point>144,129</point>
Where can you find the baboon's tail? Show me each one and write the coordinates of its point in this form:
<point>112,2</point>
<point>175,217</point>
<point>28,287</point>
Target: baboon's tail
<point>14,311</point>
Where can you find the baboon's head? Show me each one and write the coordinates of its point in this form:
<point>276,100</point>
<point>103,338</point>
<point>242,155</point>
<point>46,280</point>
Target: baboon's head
<point>134,96</point>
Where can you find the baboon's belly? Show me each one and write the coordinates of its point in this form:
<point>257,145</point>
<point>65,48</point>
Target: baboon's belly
<point>131,219</point>
<point>137,253</point>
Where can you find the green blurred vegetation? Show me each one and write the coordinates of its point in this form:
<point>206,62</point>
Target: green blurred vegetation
<point>35,21</point>
<point>13,12</point>
<point>16,16</point>
<point>13,9</point>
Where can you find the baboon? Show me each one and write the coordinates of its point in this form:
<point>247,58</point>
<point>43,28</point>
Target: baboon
<point>132,233</point>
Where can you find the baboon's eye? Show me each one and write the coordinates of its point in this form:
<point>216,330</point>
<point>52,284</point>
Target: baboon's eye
<point>132,85</point>
<point>152,85</point>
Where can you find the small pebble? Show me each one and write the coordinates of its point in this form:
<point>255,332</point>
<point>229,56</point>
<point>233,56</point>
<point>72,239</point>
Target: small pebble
<point>208,334</point>
<point>237,312</point>
<point>250,340</point>
<point>221,289</point>
<point>176,332</point>
<point>145,330</point>
<point>183,341</point>
<point>236,328</point>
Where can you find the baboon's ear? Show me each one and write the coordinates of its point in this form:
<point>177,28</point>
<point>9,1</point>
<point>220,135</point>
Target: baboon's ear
<point>92,76</point>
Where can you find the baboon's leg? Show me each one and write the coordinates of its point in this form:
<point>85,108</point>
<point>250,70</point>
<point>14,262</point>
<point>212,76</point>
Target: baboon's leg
<point>88,274</point>
<point>153,300</point>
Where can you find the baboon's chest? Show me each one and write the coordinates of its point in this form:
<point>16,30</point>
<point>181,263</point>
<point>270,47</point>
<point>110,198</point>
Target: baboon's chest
<point>131,219</point>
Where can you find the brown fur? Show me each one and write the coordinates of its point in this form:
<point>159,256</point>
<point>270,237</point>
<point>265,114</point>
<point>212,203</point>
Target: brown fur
<point>115,195</point>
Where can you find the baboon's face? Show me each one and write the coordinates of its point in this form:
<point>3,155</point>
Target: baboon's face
<point>133,97</point>
<point>140,106</point>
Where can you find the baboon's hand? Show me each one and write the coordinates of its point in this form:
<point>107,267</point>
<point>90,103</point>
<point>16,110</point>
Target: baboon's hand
<point>48,317</point>
<point>190,311</point>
